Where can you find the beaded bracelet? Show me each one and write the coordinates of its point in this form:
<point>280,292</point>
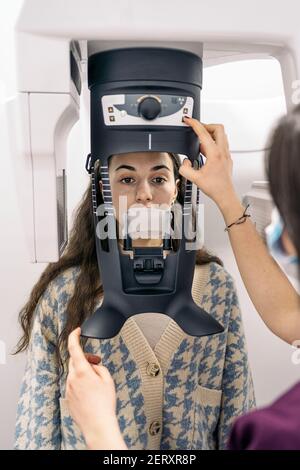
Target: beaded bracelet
<point>240,220</point>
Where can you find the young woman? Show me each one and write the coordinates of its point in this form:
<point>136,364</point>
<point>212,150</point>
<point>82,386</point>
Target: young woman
<point>173,391</point>
<point>277,426</point>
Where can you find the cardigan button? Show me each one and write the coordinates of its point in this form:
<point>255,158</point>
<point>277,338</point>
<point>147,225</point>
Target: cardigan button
<point>154,428</point>
<point>152,369</point>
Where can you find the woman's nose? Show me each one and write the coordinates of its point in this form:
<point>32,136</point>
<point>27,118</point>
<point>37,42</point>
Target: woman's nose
<point>143,193</point>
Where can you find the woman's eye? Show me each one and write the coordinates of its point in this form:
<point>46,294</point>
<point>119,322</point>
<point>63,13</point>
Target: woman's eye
<point>126,179</point>
<point>161,179</point>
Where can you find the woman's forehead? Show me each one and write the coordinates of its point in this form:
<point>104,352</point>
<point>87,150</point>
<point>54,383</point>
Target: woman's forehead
<point>145,159</point>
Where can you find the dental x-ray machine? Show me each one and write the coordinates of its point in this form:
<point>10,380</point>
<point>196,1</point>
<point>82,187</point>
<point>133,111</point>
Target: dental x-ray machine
<point>144,72</point>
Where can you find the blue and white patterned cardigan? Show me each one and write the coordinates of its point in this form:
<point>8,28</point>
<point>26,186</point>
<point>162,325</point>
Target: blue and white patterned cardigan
<point>202,385</point>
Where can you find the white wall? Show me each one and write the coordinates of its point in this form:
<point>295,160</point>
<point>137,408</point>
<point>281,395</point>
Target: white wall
<point>247,122</point>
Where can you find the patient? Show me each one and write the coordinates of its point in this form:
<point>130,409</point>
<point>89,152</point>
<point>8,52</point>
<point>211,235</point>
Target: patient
<point>173,391</point>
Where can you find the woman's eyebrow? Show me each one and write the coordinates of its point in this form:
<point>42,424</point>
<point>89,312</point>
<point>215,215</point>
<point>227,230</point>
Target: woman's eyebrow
<point>129,167</point>
<point>158,167</point>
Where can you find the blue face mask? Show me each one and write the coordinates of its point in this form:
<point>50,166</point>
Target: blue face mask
<point>274,231</point>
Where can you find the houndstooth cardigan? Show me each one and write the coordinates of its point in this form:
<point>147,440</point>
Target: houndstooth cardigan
<point>183,394</point>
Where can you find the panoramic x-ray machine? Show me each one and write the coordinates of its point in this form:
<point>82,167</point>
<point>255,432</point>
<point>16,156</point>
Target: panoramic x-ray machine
<point>144,72</point>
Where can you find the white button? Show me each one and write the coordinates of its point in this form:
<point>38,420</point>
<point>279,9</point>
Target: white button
<point>152,369</point>
<point>154,428</point>
<point>123,113</point>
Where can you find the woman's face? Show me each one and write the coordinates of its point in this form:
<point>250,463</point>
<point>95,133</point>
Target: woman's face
<point>145,178</point>
<point>141,178</point>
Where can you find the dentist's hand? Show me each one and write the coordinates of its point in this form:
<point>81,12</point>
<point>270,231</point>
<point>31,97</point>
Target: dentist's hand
<point>215,176</point>
<point>278,308</point>
<point>91,398</point>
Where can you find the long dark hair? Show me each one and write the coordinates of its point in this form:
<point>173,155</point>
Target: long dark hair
<point>283,172</point>
<point>81,251</point>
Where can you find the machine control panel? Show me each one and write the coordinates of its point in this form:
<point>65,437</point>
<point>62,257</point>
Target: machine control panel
<point>153,109</point>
